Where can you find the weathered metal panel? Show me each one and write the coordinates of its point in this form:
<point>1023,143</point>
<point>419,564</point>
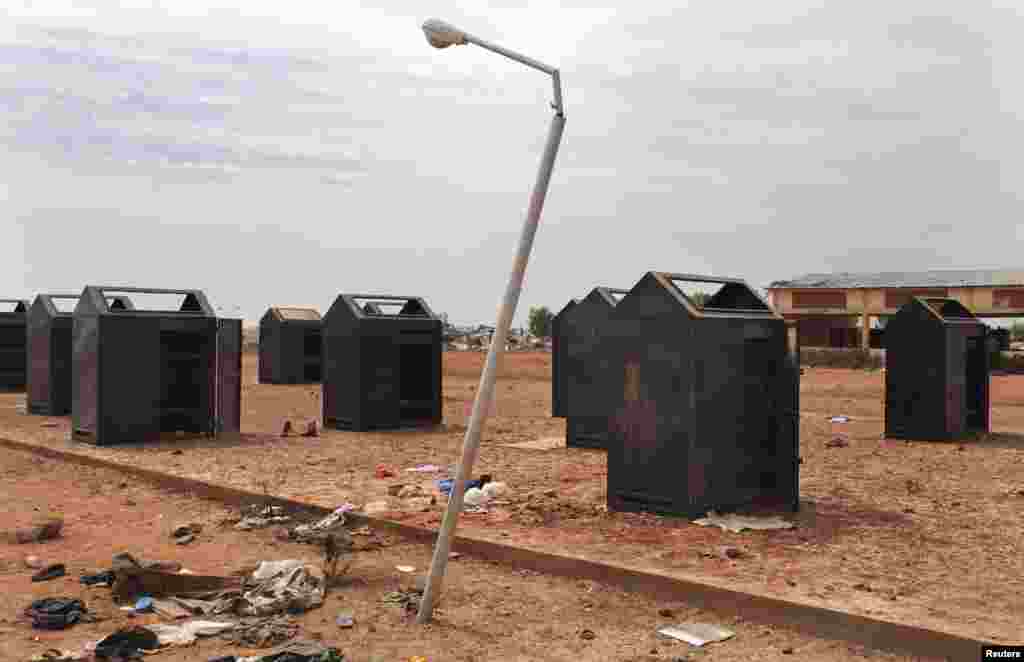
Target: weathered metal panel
<point>50,361</point>
<point>381,369</point>
<point>706,409</point>
<point>229,376</point>
<point>129,380</point>
<point>937,372</point>
<point>290,346</point>
<point>13,344</point>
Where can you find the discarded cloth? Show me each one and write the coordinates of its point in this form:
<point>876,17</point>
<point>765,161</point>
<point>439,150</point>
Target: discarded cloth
<point>55,613</point>
<point>127,643</point>
<point>317,531</point>
<point>737,523</point>
<point>50,572</point>
<point>263,632</point>
<point>298,651</point>
<point>259,517</point>
<point>275,587</point>
<point>184,634</point>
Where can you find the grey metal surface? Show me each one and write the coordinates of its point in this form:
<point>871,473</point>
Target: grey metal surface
<point>381,366</point>
<point>290,348</point>
<point>922,279</point>
<point>50,355</point>
<point>139,373</point>
<point>558,379</point>
<point>937,372</point>
<point>701,401</point>
<point>13,344</point>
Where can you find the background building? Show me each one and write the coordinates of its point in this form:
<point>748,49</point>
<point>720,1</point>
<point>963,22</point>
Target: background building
<point>840,310</point>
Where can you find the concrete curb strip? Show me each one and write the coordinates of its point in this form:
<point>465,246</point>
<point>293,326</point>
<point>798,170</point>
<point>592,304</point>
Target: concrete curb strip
<point>816,621</point>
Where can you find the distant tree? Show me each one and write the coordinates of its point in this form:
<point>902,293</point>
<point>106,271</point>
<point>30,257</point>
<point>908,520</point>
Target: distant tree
<point>540,321</point>
<point>699,297</point>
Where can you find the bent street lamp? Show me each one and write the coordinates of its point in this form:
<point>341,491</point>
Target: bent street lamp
<point>442,35</point>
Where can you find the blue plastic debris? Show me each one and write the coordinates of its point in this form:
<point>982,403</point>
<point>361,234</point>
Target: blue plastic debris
<point>446,485</point>
<point>144,604</point>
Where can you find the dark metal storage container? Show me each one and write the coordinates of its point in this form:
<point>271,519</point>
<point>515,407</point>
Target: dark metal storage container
<point>50,321</point>
<point>703,399</point>
<point>290,348</point>
<point>382,366</point>
<point>138,373</point>
<point>558,380</point>
<point>937,371</point>
<point>13,335</point>
<point>581,329</point>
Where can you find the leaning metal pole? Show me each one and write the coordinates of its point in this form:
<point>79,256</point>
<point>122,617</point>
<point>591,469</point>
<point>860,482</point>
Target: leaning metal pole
<point>485,391</point>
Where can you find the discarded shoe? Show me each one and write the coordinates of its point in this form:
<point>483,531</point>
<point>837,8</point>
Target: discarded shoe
<point>55,613</point>
<point>99,579</point>
<point>50,572</point>
<point>127,644</point>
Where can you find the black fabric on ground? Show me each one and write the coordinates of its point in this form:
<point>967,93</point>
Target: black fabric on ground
<point>55,613</point>
<point>50,572</point>
<point>128,643</point>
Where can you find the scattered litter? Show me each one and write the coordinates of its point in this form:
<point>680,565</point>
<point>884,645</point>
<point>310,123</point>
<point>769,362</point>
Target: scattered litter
<point>411,491</point>
<point>474,496</point>
<point>296,651</point>
<point>180,531</point>
<point>837,442</point>
<point>50,424</point>
<point>185,634</point>
<point>405,568</point>
<point>55,613</point>
<point>445,486</point>
<point>263,632</point>
<point>737,523</point>
<point>184,540</point>
<point>33,562</point>
<point>127,643</point>
<point>697,634</point>
<point>45,530</point>
<point>332,523</point>
<point>395,490</point>
<point>408,599</point>
<point>424,469</point>
<point>384,471</point>
<point>50,572</point>
<point>262,516</point>
<point>55,655</point>
<point>665,612</point>
<point>312,429</point>
<point>494,490</point>
<point>345,620</point>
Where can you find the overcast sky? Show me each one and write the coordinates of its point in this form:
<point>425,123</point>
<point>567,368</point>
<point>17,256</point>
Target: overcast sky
<point>285,152</point>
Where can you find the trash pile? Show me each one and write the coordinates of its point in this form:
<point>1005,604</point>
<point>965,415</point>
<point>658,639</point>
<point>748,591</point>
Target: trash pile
<point>250,608</point>
<point>260,516</point>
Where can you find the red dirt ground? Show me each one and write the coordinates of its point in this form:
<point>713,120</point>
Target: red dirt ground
<point>922,532</point>
<point>489,612</point>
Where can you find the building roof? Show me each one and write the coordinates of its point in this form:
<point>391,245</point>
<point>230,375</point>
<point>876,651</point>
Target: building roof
<point>893,279</point>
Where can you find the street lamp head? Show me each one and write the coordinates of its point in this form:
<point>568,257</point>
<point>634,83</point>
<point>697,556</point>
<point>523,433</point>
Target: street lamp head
<point>441,34</point>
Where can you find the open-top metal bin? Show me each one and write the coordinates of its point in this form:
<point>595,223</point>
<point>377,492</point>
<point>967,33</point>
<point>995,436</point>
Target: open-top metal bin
<point>50,322</point>
<point>167,364</point>
<point>702,394</point>
<point>580,332</point>
<point>936,371</point>
<point>290,349</point>
<point>13,333</point>
<point>382,363</point>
